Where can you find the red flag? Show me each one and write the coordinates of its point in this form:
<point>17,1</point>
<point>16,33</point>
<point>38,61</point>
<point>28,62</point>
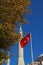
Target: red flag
<point>25,40</point>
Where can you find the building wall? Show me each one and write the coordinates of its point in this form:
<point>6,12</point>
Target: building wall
<point>35,63</point>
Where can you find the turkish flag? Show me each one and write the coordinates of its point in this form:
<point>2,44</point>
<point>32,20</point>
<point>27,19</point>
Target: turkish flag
<point>25,40</point>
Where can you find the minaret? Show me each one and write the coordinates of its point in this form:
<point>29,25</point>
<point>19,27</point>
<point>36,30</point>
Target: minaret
<point>21,57</point>
<point>8,60</point>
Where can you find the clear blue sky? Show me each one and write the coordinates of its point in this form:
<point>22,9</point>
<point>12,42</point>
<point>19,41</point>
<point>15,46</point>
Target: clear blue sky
<point>36,28</point>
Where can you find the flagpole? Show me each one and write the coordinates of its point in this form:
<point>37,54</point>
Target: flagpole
<point>31,49</point>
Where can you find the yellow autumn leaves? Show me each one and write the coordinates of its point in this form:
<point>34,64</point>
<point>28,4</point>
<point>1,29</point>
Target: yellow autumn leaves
<point>11,12</point>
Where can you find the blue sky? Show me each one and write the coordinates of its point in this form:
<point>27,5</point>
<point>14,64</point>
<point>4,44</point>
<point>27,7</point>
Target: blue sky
<point>36,29</point>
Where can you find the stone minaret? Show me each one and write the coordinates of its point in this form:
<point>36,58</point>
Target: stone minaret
<point>8,60</point>
<point>21,57</point>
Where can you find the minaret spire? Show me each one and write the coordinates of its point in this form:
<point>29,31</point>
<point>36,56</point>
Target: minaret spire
<point>8,60</point>
<point>21,57</point>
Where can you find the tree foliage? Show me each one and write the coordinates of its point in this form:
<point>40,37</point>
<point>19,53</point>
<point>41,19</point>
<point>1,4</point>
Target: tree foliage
<point>7,35</point>
<point>12,10</point>
<point>2,57</point>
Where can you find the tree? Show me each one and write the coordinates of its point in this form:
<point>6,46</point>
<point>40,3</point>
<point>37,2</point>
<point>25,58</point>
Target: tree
<point>12,10</point>
<point>7,35</point>
<point>11,13</point>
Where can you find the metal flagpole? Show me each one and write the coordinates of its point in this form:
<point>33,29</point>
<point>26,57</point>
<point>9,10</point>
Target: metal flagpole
<point>31,49</point>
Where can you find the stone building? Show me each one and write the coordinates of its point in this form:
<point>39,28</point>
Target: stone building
<point>38,61</point>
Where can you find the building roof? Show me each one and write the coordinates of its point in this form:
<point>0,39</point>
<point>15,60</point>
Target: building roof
<point>40,58</point>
